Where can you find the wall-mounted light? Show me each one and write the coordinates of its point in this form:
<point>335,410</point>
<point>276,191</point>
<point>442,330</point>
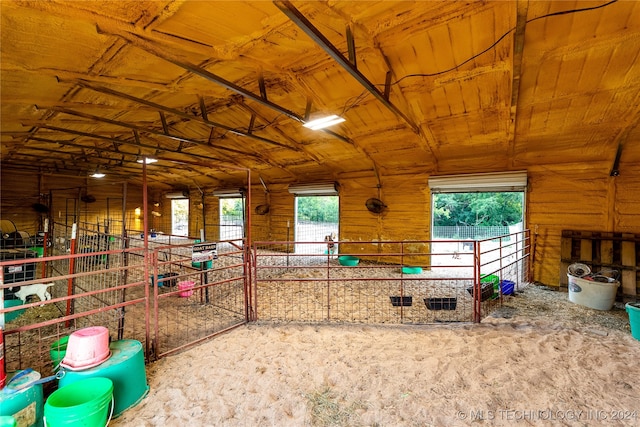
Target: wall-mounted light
<point>137,212</point>
<point>323,122</point>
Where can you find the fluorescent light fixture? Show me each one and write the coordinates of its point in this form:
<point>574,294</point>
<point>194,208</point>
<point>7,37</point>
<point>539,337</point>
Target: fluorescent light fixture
<point>321,189</point>
<point>147,160</point>
<point>323,122</point>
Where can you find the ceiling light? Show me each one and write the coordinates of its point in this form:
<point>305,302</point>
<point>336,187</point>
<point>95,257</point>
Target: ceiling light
<point>97,174</point>
<point>147,160</point>
<point>323,122</point>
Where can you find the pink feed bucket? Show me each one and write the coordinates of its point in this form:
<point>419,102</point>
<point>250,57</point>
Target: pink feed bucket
<point>86,348</point>
<point>186,288</point>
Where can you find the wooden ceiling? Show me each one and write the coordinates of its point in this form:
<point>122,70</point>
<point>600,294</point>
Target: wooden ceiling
<point>212,88</point>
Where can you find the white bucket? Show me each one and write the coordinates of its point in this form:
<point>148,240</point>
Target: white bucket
<point>592,294</point>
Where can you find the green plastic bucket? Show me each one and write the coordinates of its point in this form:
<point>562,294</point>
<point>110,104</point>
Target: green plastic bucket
<point>58,350</point>
<point>125,368</point>
<point>7,421</point>
<point>634,319</point>
<point>84,403</point>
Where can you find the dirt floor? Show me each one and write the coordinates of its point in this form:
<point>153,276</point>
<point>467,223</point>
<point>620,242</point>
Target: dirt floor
<point>538,360</point>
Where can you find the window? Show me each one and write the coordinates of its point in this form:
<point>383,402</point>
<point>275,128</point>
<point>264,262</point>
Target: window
<point>316,218</point>
<point>475,207</point>
<point>231,218</point>
<point>180,217</point>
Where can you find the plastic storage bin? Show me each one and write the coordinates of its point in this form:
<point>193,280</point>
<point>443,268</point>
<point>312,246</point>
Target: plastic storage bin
<point>591,293</point>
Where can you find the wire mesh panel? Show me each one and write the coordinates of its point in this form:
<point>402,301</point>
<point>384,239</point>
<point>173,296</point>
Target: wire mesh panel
<point>73,293</point>
<point>174,302</point>
<point>375,288</point>
<point>318,232</point>
<point>399,282</point>
<point>196,300</point>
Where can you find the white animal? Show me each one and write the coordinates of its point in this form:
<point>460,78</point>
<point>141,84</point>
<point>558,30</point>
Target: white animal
<point>39,289</point>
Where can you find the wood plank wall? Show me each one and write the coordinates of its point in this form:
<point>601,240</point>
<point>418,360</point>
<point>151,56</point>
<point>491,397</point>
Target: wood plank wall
<point>19,191</point>
<point>561,197</point>
<point>603,251</point>
<point>577,197</point>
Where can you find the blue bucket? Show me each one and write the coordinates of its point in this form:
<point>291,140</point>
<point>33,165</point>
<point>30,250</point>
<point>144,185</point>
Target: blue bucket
<point>506,286</point>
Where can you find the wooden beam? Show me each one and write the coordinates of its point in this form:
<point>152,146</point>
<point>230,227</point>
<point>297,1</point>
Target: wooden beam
<point>518,48</point>
<point>628,258</point>
<point>305,25</point>
<point>145,130</point>
<point>160,107</point>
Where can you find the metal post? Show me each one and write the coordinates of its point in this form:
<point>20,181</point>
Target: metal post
<point>147,255</point>
<point>72,262</point>
<point>44,247</point>
<point>477,294</point>
<point>125,261</point>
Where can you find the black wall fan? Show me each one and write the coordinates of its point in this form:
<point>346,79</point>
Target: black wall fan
<point>375,205</point>
<point>262,209</point>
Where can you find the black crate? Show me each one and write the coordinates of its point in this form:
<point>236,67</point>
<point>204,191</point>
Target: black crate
<point>18,272</point>
<point>441,303</point>
<point>486,291</point>
<point>401,301</point>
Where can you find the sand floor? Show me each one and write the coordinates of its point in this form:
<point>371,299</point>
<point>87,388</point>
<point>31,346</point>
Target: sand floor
<point>520,367</point>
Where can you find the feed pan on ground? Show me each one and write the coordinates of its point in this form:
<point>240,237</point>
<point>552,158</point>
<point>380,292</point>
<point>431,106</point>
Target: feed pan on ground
<point>441,303</point>
<point>404,301</point>
<point>486,291</point>
<point>349,260</point>
<point>411,270</point>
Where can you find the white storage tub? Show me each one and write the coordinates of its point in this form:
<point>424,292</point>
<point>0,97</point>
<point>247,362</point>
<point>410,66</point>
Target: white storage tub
<point>592,293</point>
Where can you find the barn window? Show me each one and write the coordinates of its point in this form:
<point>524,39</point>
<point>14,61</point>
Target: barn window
<point>316,215</point>
<point>180,217</point>
<point>231,218</point>
<point>476,206</point>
